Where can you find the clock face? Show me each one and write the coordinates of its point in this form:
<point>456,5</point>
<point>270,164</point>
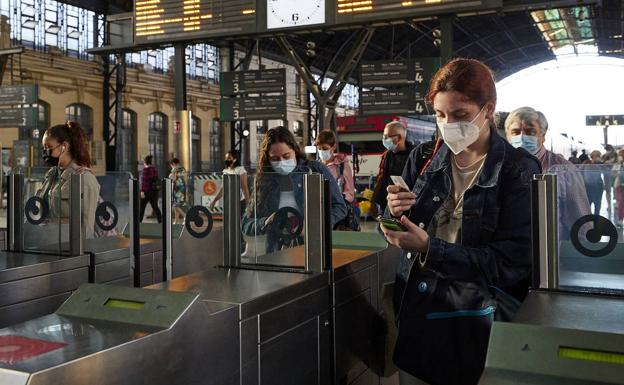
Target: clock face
<point>293,13</point>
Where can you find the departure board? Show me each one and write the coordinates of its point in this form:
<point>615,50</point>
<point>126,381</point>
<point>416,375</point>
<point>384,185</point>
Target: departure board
<point>386,102</point>
<point>359,11</point>
<point>168,20</point>
<point>253,108</point>
<point>249,82</point>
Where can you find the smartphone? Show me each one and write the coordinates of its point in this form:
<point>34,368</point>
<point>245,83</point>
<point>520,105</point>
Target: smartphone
<point>399,181</point>
<point>391,223</point>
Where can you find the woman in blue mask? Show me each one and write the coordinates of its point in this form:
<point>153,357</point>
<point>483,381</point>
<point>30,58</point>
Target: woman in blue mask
<point>467,238</point>
<point>279,184</point>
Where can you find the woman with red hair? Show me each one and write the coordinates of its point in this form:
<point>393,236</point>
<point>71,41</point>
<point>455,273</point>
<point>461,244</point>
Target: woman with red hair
<point>467,238</point>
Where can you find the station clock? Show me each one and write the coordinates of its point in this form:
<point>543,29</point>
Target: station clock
<point>294,13</point>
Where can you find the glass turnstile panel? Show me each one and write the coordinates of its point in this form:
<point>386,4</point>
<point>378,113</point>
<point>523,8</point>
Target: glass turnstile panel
<point>590,206</point>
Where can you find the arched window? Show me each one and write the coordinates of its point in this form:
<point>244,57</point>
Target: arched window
<point>196,143</point>
<point>157,141</point>
<point>82,114</point>
<point>126,151</point>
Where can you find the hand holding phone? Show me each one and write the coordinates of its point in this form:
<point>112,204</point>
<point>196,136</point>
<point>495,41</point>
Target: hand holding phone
<point>399,198</point>
<point>391,223</point>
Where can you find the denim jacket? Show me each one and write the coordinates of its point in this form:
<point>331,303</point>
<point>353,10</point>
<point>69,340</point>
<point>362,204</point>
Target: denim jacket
<point>445,308</point>
<point>257,212</point>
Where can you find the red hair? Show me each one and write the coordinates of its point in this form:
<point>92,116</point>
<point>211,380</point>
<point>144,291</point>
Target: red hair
<point>469,77</point>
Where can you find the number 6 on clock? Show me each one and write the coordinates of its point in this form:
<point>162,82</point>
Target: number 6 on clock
<point>294,13</point>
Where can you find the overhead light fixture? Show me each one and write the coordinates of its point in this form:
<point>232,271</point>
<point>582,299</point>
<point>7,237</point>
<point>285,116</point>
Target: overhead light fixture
<point>53,28</point>
<point>75,34</point>
<point>245,133</point>
<point>30,23</point>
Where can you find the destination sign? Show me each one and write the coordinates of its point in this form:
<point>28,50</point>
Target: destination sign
<point>399,72</point>
<point>604,120</point>
<point>399,101</point>
<point>256,108</point>
<point>386,72</point>
<point>11,95</point>
<point>386,102</point>
<point>166,20</point>
<point>251,82</point>
<point>18,117</point>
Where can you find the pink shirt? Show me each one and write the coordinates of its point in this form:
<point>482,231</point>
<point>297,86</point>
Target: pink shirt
<point>345,181</point>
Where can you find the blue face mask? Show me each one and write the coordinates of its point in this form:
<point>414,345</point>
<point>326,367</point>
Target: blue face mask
<point>528,142</point>
<point>324,155</point>
<point>284,167</point>
<point>388,144</point>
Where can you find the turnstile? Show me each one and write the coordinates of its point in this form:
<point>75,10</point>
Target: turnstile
<point>559,338</point>
<point>34,284</point>
<point>116,335</point>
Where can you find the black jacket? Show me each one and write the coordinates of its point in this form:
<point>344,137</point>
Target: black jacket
<point>393,164</point>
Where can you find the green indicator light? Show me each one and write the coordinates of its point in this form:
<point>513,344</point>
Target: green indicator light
<point>591,355</point>
<point>124,304</point>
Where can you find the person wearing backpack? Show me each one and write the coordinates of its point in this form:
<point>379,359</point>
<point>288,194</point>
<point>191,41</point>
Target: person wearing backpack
<point>149,188</point>
<point>178,178</point>
<point>338,165</point>
<point>65,150</point>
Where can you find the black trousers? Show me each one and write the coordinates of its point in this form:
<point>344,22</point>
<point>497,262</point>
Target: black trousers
<point>152,198</point>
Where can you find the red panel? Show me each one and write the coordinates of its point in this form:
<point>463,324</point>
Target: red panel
<point>15,348</point>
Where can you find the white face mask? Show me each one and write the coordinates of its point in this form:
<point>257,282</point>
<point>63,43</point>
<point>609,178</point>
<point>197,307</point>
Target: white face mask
<point>459,135</point>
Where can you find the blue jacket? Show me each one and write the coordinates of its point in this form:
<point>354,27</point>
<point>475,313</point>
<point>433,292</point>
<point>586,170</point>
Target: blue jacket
<point>445,309</point>
<point>257,212</point>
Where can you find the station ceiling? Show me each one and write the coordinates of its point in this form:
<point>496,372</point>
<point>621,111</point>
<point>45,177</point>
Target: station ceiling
<point>509,40</point>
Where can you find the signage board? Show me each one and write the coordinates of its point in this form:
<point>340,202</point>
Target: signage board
<point>25,94</point>
<point>386,102</point>
<point>604,120</point>
<point>18,117</point>
<point>398,72</point>
<point>166,21</point>
<point>250,82</point>
<point>253,108</point>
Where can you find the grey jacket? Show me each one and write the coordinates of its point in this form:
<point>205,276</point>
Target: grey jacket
<point>56,189</point>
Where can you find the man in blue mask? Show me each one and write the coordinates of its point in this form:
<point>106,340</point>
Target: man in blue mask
<point>526,127</point>
<point>393,160</point>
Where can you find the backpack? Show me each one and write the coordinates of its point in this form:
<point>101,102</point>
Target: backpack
<point>351,221</point>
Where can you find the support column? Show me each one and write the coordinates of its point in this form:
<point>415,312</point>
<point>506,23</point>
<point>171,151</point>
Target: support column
<point>106,119</point>
<point>231,67</point>
<point>179,77</point>
<point>446,48</point>
<point>120,84</point>
<point>182,137</point>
